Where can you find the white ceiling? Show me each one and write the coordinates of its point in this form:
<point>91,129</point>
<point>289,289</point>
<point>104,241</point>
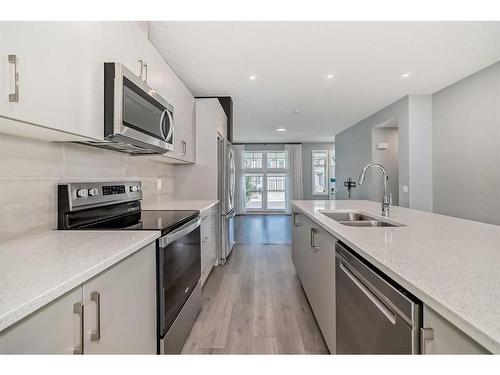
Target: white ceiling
<point>292,59</point>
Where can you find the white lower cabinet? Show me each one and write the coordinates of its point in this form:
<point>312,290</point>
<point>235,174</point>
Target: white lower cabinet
<point>313,255</point>
<point>54,329</point>
<point>323,275</point>
<point>119,315</point>
<point>439,336</point>
<point>208,242</point>
<point>120,307</point>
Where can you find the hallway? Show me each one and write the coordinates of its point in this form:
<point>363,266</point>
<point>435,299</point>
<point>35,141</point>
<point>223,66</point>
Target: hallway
<point>263,229</point>
<point>255,305</point>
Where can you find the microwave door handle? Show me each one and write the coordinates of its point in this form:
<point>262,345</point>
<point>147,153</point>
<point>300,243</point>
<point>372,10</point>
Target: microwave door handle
<point>162,118</point>
<point>171,127</point>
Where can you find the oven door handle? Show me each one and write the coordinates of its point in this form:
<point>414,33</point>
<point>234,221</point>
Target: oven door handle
<point>180,232</point>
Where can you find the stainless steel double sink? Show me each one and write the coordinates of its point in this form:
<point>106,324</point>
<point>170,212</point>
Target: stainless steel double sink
<point>358,219</point>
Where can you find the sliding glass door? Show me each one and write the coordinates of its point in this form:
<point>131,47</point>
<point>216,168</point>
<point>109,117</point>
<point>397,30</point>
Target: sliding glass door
<point>265,181</point>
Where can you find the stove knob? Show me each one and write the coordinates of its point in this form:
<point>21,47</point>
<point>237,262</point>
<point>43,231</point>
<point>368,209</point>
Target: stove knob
<point>81,193</point>
<point>93,192</point>
<point>134,188</point>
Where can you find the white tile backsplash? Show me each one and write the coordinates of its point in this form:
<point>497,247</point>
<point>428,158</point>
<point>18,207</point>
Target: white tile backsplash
<point>31,169</point>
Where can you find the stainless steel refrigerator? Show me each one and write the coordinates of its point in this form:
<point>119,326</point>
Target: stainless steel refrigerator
<point>226,191</point>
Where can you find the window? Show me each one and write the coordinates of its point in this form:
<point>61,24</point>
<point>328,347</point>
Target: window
<point>265,180</point>
<point>320,172</point>
<point>254,191</point>
<point>252,160</point>
<point>276,191</point>
<point>276,160</point>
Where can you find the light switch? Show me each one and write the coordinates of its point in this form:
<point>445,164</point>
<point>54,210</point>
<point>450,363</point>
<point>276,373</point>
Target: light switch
<point>158,184</point>
<point>405,188</point>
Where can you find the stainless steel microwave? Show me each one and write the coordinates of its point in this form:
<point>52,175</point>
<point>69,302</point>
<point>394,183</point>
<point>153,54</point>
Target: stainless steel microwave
<point>136,119</point>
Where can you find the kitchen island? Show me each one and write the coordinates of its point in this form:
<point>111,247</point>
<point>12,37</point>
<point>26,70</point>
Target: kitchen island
<point>450,264</point>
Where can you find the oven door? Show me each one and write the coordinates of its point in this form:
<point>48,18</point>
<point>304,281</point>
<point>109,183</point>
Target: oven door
<point>179,271</point>
<point>135,113</point>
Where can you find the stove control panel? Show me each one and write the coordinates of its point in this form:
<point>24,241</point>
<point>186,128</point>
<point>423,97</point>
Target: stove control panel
<point>113,189</point>
<point>83,194</point>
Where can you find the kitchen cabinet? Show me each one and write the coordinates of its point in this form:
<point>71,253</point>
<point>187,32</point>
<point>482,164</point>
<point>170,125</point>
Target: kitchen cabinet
<point>297,243</point>
<point>323,280</point>
<point>60,69</point>
<point>208,242</point>
<point>313,255</point>
<point>439,336</point>
<point>54,329</point>
<point>120,307</point>
<point>112,313</point>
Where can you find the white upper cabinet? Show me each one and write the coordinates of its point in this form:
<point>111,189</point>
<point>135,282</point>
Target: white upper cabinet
<point>60,70</point>
<point>60,67</point>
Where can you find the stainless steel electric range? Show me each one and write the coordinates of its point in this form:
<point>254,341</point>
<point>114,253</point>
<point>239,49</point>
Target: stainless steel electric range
<point>117,206</point>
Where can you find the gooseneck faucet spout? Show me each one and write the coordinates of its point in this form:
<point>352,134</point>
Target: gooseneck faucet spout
<point>386,201</point>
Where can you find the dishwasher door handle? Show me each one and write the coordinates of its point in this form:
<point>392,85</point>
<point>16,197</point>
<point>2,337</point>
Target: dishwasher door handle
<point>389,314</point>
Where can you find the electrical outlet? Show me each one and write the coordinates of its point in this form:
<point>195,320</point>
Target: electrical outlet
<point>158,184</point>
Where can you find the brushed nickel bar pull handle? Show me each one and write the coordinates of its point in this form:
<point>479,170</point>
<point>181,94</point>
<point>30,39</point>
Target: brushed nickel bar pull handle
<point>14,98</point>
<point>78,309</point>
<point>426,334</point>
<point>295,219</point>
<point>145,72</point>
<point>96,335</point>
<point>314,247</point>
<point>141,63</point>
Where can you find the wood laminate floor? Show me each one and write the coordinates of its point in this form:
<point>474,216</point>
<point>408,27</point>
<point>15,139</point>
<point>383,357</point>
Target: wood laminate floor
<point>263,229</point>
<point>255,305</point>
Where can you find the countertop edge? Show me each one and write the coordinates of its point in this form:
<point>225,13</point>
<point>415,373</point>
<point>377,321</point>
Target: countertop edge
<point>14,316</point>
<point>475,333</point>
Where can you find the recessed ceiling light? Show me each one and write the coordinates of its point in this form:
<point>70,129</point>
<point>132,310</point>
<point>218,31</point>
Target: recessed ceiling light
<point>329,76</point>
<point>253,78</point>
<point>281,129</point>
<point>405,75</point>
<point>296,110</point>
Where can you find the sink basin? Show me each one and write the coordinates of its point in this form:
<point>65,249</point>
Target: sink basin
<point>358,219</point>
<point>348,216</point>
<point>368,223</point>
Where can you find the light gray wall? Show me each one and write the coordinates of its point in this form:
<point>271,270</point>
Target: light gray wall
<point>307,149</point>
<point>389,158</point>
<point>353,150</point>
<point>466,147</point>
<point>413,117</point>
<point>420,152</point>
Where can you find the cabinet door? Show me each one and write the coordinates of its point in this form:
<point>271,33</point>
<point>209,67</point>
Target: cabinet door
<point>188,134</point>
<point>54,329</point>
<point>120,307</point>
<point>208,243</point>
<point>324,283</point>
<point>307,260</point>
<point>60,75</point>
<point>297,243</point>
<point>439,336</point>
<point>125,43</point>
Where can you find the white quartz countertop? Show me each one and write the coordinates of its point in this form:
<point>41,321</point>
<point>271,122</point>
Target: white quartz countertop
<point>37,269</point>
<point>450,264</point>
<point>196,205</point>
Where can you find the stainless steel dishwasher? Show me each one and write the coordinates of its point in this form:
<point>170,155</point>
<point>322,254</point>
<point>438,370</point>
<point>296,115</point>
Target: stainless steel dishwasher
<point>374,315</point>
